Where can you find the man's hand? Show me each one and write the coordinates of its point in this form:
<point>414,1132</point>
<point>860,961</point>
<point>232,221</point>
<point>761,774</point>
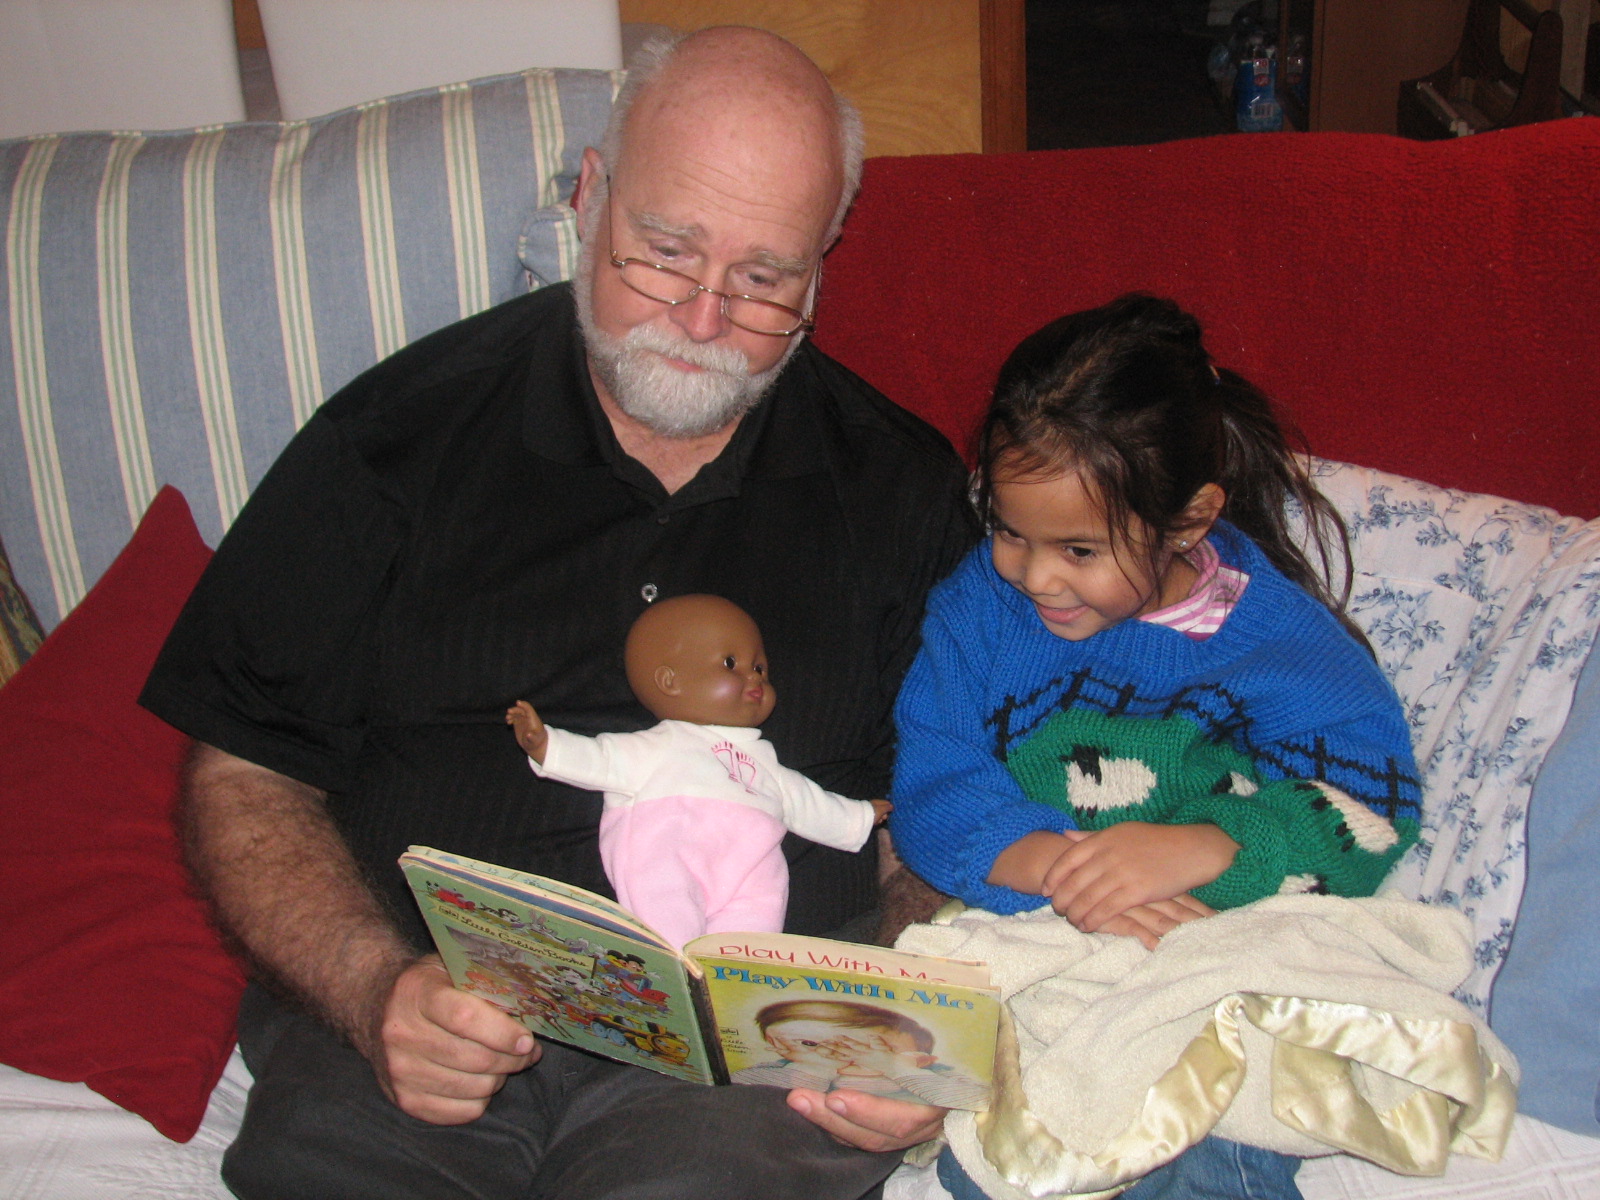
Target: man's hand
<point>869,1122</point>
<point>446,1053</point>
<point>1106,873</point>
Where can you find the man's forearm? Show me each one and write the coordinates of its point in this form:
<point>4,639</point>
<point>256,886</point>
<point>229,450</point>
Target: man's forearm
<point>284,884</point>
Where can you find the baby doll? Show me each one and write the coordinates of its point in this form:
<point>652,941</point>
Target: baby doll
<point>696,806</point>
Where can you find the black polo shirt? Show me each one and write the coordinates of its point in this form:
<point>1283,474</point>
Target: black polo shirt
<point>458,529</point>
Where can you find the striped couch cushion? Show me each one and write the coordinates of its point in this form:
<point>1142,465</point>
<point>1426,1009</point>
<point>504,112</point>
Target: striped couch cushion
<point>174,305</point>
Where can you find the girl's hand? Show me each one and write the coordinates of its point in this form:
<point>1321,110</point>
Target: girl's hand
<point>1150,922</point>
<point>1107,872</point>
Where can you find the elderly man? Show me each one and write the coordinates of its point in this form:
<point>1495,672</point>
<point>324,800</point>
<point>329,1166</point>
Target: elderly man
<point>478,520</point>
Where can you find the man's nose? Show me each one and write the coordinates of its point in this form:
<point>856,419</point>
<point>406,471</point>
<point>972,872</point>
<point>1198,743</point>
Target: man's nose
<point>701,318</point>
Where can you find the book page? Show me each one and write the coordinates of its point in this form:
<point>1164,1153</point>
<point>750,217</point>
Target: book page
<point>575,980</point>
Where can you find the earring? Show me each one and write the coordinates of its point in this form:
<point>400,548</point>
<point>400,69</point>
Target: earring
<point>1183,545</point>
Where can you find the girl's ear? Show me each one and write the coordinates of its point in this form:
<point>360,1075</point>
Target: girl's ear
<point>1198,516</point>
<point>667,680</point>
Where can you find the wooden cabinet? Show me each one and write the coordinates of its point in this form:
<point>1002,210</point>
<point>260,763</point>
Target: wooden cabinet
<point>1362,49</point>
<point>929,76</point>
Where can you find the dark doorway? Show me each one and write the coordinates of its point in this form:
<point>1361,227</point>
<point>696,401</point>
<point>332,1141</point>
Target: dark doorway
<point>1124,72</point>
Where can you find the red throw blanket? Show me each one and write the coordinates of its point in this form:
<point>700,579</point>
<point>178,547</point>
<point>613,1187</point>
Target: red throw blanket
<point>1430,308</point>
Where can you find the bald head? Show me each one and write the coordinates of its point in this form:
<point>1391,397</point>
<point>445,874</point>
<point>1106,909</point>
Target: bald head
<point>699,658</point>
<point>753,97</point>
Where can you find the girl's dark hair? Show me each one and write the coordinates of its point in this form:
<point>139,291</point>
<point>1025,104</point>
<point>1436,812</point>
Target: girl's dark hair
<point>1127,395</point>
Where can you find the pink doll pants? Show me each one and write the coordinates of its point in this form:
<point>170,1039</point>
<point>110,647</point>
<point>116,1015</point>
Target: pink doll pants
<point>688,865</point>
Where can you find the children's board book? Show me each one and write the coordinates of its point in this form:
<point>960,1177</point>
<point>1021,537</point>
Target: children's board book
<point>769,1008</point>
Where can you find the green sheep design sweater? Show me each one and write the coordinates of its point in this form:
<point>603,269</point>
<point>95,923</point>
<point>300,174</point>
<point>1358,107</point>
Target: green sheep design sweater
<point>1279,729</point>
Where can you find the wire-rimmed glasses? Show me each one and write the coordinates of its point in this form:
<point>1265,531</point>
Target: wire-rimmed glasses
<point>667,286</point>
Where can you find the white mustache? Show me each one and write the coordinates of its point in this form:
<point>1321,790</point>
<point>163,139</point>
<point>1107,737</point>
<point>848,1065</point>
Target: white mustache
<point>723,359</point>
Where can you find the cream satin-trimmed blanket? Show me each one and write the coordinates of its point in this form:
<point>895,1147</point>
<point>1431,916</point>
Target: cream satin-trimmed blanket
<point>1305,1024</point>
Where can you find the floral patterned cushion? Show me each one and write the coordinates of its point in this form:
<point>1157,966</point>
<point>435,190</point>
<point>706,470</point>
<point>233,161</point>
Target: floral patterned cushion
<point>1482,612</point>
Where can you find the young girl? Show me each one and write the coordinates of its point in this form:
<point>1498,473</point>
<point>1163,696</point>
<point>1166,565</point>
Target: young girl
<point>1138,695</point>
<point>1138,690</point>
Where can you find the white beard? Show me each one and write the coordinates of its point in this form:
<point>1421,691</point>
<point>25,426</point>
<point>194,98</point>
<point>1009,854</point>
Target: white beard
<point>666,399</point>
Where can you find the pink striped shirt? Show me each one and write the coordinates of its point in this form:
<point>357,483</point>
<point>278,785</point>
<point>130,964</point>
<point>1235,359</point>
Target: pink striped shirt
<point>1217,588</point>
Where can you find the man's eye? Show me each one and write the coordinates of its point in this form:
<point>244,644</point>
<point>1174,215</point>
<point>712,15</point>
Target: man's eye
<point>756,282</point>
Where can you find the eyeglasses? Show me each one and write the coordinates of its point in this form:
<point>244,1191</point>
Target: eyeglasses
<point>667,286</point>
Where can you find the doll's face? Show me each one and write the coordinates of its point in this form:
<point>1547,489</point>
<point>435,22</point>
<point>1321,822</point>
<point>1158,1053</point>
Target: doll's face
<point>700,659</point>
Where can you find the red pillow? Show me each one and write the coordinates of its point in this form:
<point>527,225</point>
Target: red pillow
<point>109,971</point>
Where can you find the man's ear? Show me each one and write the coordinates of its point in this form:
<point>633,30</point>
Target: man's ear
<point>1198,516</point>
<point>590,172</point>
<point>667,680</point>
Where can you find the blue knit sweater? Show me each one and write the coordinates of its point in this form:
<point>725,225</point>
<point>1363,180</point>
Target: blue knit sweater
<point>1279,728</point>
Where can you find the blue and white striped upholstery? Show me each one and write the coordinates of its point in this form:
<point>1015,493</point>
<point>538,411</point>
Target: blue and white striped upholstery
<point>174,305</point>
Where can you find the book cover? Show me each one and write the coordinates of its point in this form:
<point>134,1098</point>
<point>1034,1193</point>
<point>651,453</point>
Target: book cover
<point>747,1008</point>
<point>569,964</point>
<point>808,1012</point>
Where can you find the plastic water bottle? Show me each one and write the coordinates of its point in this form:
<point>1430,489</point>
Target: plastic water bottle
<point>1296,73</point>
<point>1255,91</point>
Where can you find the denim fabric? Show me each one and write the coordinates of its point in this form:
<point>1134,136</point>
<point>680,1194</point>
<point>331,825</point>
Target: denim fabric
<point>1213,1169</point>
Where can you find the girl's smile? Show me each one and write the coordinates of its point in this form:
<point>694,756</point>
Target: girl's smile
<point>1052,543</point>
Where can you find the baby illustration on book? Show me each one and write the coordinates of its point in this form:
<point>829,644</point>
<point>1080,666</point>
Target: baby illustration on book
<point>696,806</point>
<point>830,1044</point>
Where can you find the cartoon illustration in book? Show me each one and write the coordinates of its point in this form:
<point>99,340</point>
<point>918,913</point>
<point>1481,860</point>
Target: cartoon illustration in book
<point>612,999</point>
<point>830,1044</point>
<point>702,783</point>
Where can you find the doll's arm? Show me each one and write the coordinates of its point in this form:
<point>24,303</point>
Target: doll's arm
<point>608,762</point>
<point>826,817</point>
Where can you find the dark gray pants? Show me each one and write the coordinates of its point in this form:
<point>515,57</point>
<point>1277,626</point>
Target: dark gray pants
<point>572,1127</point>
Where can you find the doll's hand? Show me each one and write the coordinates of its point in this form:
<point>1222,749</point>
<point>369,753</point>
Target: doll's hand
<point>531,733</point>
<point>880,810</point>
<point>1106,873</point>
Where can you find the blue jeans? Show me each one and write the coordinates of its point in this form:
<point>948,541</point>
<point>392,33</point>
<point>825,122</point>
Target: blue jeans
<point>1212,1169</point>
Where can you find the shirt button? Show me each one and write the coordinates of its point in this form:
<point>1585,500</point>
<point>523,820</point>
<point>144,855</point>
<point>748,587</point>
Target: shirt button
<point>663,519</point>
<point>649,591</point>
